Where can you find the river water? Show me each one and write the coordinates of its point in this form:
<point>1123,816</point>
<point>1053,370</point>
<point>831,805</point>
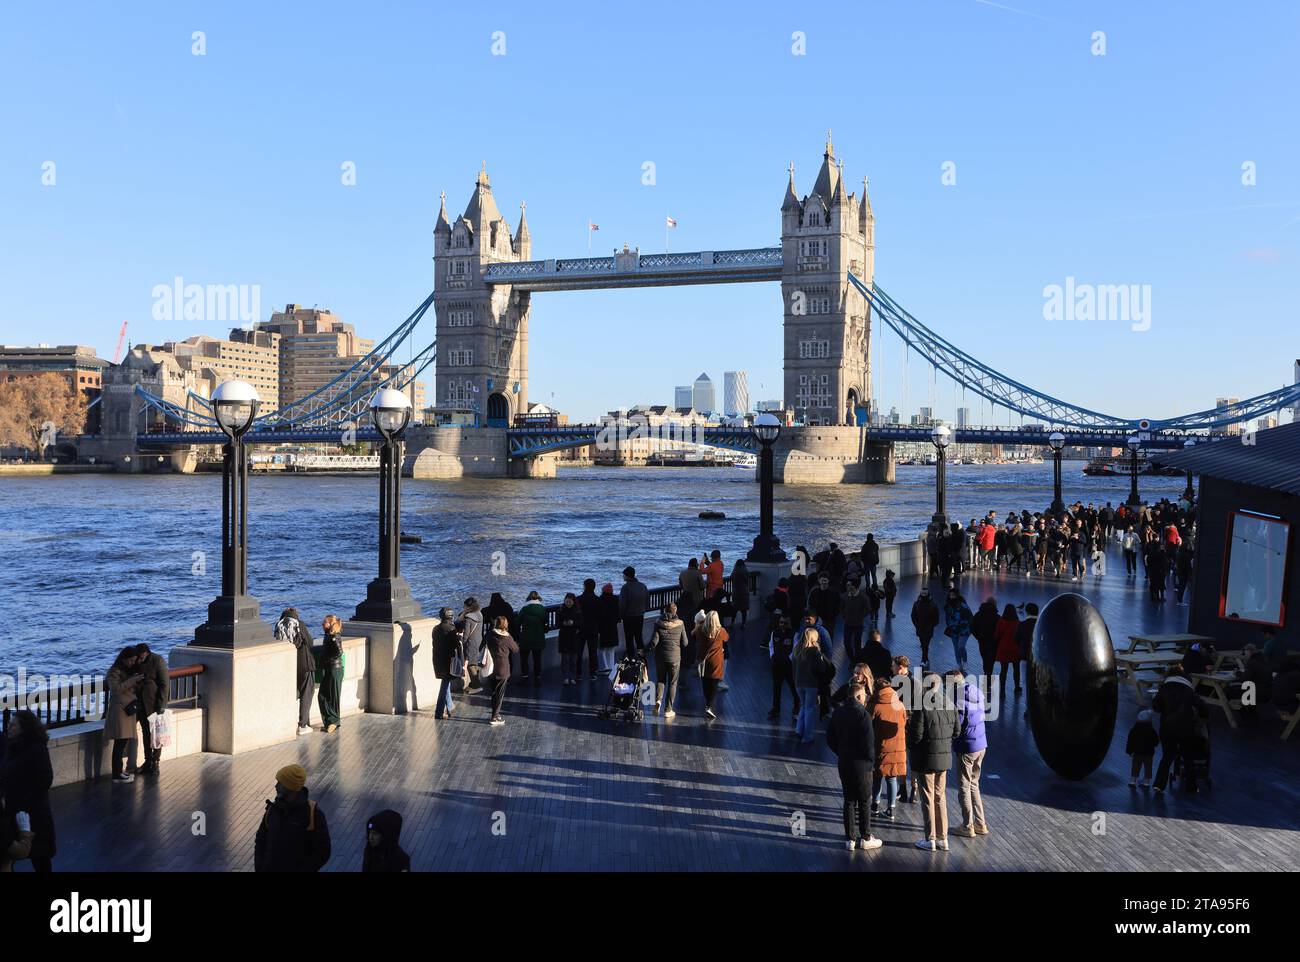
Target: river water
<point>95,562</point>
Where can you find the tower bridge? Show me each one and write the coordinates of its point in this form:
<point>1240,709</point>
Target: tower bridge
<point>485,277</point>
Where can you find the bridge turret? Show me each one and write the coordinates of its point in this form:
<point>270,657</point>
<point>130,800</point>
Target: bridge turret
<point>442,228</point>
<point>523,240</point>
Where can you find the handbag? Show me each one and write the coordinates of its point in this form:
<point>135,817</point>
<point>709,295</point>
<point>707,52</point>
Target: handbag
<point>320,664</point>
<point>160,728</point>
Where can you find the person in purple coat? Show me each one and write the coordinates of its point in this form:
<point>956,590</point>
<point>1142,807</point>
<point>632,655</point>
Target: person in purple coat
<point>970,744</point>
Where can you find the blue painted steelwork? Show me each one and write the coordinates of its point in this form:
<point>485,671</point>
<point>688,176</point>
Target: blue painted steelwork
<point>304,435</point>
<point>530,442</point>
<point>633,269</point>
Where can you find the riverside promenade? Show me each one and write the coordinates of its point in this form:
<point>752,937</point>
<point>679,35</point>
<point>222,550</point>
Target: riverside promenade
<point>557,788</point>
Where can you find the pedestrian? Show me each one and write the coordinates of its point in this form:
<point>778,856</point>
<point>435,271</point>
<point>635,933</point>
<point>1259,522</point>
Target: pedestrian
<point>496,607</point>
<point>633,599</point>
<point>470,621</point>
<point>154,690</point>
<point>957,618</point>
<point>1098,558</point>
<point>709,639</point>
<point>931,729</point>
<point>853,606</point>
<point>25,779</point>
<point>890,588</point>
<point>825,598</point>
<point>532,639</point>
<point>1141,747</point>
<point>983,627</point>
<point>290,628</point>
<point>589,606</point>
<point>908,688</point>
<point>1180,709</point>
<point>925,617</point>
<point>122,683</point>
<point>668,641</point>
<point>1007,650</point>
<point>870,557</point>
<point>740,591</point>
<point>331,668</point>
<point>448,656</point>
<point>877,656</point>
<point>780,652</point>
<point>850,736</point>
<point>1130,546</point>
<point>889,725</point>
<point>713,574</point>
<point>1183,558</point>
<point>500,645</point>
<point>809,660</point>
<point>861,675</point>
<point>293,835</point>
<point>970,743</point>
<point>568,620</point>
<point>383,842</point>
<point>608,621</point>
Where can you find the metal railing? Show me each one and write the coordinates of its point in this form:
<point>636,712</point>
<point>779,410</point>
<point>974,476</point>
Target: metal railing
<point>73,699</point>
<point>658,597</point>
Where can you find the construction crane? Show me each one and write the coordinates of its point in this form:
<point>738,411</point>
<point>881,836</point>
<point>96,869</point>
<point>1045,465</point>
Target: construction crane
<point>117,352</point>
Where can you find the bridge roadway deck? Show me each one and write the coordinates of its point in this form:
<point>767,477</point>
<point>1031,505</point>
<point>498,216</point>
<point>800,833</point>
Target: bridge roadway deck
<point>584,794</point>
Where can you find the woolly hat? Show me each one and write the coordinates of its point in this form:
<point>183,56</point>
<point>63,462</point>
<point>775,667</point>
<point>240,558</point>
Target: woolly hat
<point>292,777</point>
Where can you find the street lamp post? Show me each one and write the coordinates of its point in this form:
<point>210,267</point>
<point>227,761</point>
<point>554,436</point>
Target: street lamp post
<point>1057,441</point>
<point>1134,445</point>
<point>767,547</point>
<point>941,435</point>
<point>1190,492</point>
<point>234,617</point>
<point>388,596</point>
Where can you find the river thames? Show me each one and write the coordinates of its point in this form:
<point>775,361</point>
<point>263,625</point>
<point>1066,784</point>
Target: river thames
<point>95,562</point>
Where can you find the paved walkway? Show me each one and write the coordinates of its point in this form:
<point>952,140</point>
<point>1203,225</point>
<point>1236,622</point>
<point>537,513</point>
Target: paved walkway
<point>573,792</point>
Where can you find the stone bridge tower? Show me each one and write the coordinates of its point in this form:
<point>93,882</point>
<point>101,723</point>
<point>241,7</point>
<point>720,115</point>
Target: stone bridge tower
<point>482,329</point>
<point>824,236</point>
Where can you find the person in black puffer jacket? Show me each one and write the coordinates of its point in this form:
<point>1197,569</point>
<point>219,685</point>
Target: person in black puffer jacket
<point>383,849</point>
<point>852,738</point>
<point>25,779</point>
<point>447,650</point>
<point>931,728</point>
<point>293,836</point>
<point>1180,710</point>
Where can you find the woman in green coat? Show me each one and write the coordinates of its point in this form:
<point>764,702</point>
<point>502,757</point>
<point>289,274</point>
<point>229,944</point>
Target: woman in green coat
<point>532,636</point>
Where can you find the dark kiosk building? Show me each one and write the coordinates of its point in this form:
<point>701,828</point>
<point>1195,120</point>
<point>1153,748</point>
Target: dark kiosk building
<point>1248,529</point>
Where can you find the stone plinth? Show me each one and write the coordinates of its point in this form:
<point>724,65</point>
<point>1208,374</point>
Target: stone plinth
<point>249,695</point>
<point>439,453</point>
<point>399,665</point>
<point>831,455</point>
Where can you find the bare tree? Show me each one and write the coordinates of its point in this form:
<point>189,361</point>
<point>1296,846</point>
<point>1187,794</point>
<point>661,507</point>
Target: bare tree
<point>35,410</point>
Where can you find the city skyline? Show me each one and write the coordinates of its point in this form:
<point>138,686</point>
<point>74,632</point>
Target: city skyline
<point>1022,209</point>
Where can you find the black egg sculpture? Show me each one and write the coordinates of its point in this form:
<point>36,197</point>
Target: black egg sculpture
<point>1073,691</point>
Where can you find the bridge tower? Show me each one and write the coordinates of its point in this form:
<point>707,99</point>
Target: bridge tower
<point>824,236</point>
<point>482,330</point>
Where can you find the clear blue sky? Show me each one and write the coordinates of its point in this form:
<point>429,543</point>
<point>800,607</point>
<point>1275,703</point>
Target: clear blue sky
<point>1123,168</point>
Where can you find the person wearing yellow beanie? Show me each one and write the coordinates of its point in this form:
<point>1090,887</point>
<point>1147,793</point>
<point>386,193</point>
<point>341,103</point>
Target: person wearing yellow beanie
<point>293,835</point>
<point>292,777</point>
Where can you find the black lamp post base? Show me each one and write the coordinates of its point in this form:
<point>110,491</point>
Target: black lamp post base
<point>1134,501</point>
<point>939,520</point>
<point>388,600</point>
<point>234,621</point>
<point>1057,508</point>
<point>766,550</point>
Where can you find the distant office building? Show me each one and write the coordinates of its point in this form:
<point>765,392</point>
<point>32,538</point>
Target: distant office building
<point>76,363</point>
<point>630,436</point>
<point>963,418</point>
<point>254,357</point>
<point>894,417</point>
<point>735,393</point>
<point>702,398</point>
<point>683,396</point>
<point>772,405</point>
<point>1228,406</point>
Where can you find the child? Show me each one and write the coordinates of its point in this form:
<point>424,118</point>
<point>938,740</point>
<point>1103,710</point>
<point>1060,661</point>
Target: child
<point>891,589</point>
<point>1141,744</point>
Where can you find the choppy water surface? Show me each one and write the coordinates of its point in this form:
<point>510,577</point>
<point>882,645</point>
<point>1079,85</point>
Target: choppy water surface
<point>94,562</point>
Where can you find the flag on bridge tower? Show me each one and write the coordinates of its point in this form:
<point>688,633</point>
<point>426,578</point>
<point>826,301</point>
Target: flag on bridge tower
<point>591,226</point>
<point>669,223</point>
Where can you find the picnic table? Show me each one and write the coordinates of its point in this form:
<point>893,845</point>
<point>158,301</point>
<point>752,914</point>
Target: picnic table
<point>1153,643</point>
<point>1237,656</point>
<point>1218,682</point>
<point>1140,668</point>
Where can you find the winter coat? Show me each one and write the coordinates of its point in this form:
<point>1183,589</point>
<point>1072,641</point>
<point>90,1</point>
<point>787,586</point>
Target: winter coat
<point>25,779</point>
<point>889,723</point>
<point>930,732</point>
<point>826,602</point>
<point>501,646</point>
<point>446,646</point>
<point>808,664</point>
<point>970,737</point>
<point>1006,632</point>
<point>331,650</point>
<point>780,647</point>
<point>498,607</point>
<point>870,553</point>
<point>854,609</point>
<point>569,623</point>
<point>878,659</point>
<point>156,686</point>
<point>849,735</point>
<point>925,617</point>
<point>589,605</point>
<point>472,636</point>
<point>669,640</point>
<point>1025,637</point>
<point>797,589</point>
<point>608,620</point>
<point>982,626</point>
<point>709,651</point>
<point>1142,739</point>
<point>740,587</point>
<point>1178,706</point>
<point>123,687</point>
<point>713,578</point>
<point>294,631</point>
<point>532,626</point>
<point>387,856</point>
<point>633,599</point>
<point>889,586</point>
<point>957,619</point>
<point>293,837</point>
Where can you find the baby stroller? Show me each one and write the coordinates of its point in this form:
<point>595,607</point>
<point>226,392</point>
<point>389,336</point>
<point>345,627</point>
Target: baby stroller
<point>625,692</point>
